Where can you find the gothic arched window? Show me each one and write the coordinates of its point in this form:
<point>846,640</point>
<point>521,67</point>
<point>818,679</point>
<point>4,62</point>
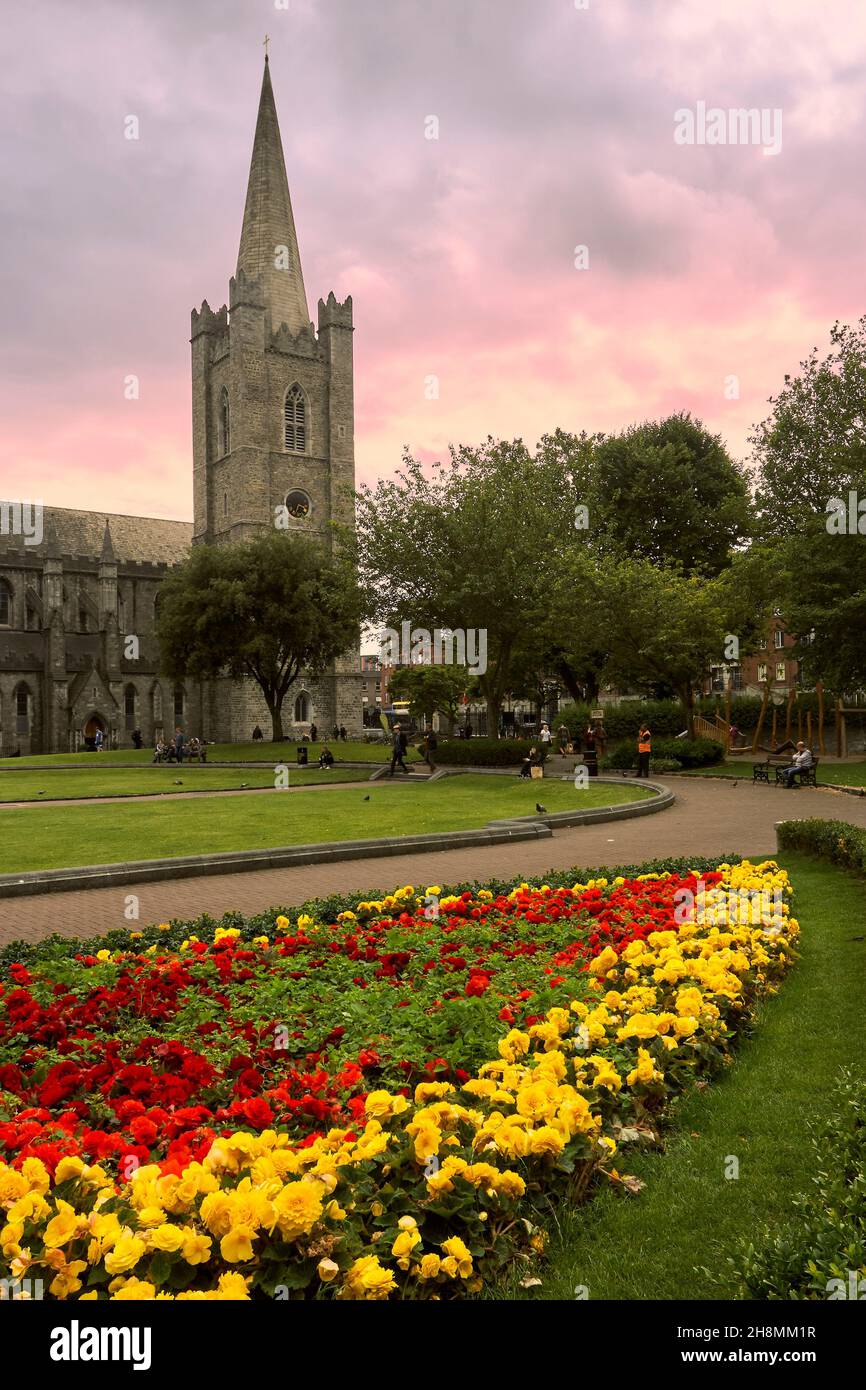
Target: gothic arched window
<point>295,420</point>
<point>5,604</point>
<point>129,706</point>
<point>179,703</point>
<point>302,708</point>
<point>225,433</point>
<point>23,709</point>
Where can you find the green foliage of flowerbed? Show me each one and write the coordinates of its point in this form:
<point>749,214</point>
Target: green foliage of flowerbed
<point>821,1253</point>
<point>835,840</point>
<point>327,910</point>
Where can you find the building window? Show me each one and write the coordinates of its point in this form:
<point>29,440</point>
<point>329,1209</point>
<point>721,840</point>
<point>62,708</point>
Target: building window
<point>179,702</point>
<point>780,670</point>
<point>5,604</point>
<point>82,620</point>
<point>225,436</point>
<point>778,639</point>
<point>302,709</point>
<point>129,706</point>
<point>298,504</point>
<point>295,420</point>
<point>762,671</point>
<point>22,710</point>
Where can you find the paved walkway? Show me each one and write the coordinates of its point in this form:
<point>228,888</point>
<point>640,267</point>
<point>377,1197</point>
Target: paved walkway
<point>707,818</point>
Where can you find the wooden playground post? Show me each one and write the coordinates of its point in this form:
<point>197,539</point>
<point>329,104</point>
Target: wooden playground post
<point>761,717</point>
<point>820,689</point>
<point>792,695</point>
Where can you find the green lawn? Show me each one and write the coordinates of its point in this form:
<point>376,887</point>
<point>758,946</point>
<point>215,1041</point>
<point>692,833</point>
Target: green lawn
<point>43,837</point>
<point>94,780</point>
<point>353,751</point>
<point>831,774</point>
<point>689,1215</point>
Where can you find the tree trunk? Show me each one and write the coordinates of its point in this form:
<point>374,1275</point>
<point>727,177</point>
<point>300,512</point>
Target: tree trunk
<point>275,708</point>
<point>687,700</point>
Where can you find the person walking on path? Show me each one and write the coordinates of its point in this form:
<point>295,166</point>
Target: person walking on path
<point>179,741</point>
<point>644,748</point>
<point>99,740</point>
<point>564,740</point>
<point>399,749</point>
<point>429,746</point>
<point>314,733</point>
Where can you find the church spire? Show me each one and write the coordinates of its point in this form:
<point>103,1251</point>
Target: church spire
<point>269,245</point>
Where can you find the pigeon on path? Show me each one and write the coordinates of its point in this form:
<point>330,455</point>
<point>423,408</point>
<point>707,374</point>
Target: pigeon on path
<point>366,798</point>
<point>542,810</point>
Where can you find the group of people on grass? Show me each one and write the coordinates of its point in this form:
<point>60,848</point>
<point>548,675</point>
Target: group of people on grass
<point>178,747</point>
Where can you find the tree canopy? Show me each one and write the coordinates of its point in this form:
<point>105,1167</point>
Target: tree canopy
<point>266,610</point>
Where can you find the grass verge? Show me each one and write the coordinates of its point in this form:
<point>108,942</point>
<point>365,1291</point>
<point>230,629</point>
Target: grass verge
<point>47,837</point>
<point>690,1214</point>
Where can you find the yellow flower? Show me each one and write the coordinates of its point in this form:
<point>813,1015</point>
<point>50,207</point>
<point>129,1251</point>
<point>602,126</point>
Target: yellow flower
<point>298,1207</point>
<point>196,1248</point>
<point>133,1291</point>
<point>237,1245</point>
<point>545,1140</point>
<point>63,1227</point>
<point>404,1244</point>
<point>69,1167</point>
<point>367,1278</point>
<point>429,1266</point>
<point>126,1253</point>
<point>455,1248</point>
<point>327,1270</point>
<point>167,1237</point>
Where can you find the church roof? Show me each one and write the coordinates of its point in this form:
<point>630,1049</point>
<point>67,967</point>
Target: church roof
<point>269,245</point>
<point>142,538</point>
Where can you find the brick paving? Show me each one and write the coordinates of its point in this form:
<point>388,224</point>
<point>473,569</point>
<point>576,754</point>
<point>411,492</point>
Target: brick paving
<point>707,818</point>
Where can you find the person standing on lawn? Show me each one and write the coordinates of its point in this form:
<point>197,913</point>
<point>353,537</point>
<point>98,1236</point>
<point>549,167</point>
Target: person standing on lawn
<point>399,749</point>
<point>644,748</point>
<point>179,741</point>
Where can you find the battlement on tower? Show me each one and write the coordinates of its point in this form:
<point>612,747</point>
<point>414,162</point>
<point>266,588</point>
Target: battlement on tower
<point>302,344</point>
<point>333,314</point>
<point>208,320</point>
<point>246,291</point>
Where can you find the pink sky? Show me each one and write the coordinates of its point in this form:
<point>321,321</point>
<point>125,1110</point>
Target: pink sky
<point>556,129</point>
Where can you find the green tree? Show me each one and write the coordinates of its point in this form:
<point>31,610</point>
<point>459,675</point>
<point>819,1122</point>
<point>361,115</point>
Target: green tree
<point>266,610</point>
<point>812,446</point>
<point>667,491</point>
<point>472,543</point>
<point>432,690</point>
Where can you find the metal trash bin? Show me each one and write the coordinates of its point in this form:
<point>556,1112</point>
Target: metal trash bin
<point>302,756</point>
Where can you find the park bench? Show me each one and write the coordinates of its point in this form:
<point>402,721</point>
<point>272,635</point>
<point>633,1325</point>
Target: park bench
<point>778,764</point>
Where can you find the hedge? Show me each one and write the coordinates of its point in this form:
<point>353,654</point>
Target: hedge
<point>695,752</point>
<point>327,909</point>
<point>835,840</point>
<point>482,752</point>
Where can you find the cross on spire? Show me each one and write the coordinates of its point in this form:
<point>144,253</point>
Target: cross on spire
<point>266,41</point>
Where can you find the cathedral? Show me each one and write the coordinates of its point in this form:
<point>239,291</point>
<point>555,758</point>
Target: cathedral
<point>273,436</point>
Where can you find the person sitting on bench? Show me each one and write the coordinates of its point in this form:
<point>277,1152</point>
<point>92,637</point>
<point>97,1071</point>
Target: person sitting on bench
<point>801,763</point>
<point>532,760</point>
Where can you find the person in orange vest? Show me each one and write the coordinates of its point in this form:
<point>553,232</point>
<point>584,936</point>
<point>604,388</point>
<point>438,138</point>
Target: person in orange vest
<point>644,748</point>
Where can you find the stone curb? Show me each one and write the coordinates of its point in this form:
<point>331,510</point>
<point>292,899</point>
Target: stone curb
<point>293,856</point>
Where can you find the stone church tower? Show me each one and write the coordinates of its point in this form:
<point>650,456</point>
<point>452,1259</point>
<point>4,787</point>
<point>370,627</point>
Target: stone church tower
<point>273,421</point>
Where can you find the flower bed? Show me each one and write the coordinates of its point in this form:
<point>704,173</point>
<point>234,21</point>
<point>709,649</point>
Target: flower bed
<point>387,1103</point>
